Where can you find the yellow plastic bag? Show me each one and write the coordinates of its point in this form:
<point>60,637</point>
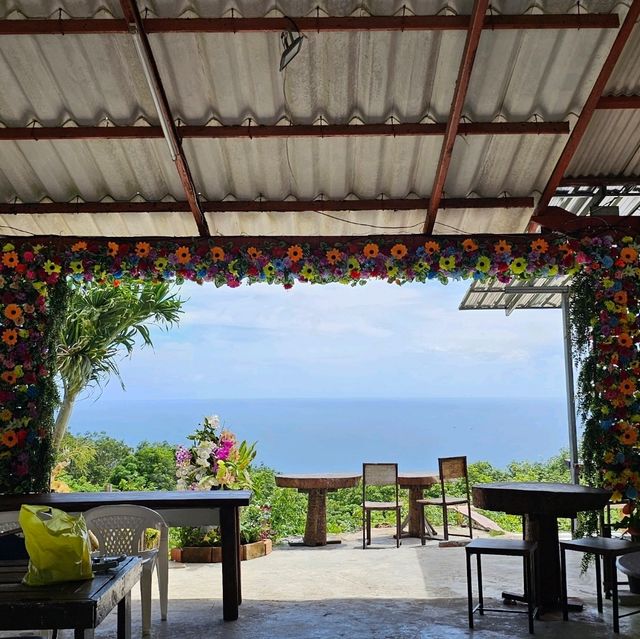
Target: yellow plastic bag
<point>58,545</point>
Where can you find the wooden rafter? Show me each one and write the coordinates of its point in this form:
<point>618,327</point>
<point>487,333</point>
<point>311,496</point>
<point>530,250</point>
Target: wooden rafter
<point>619,102</point>
<point>455,112</point>
<point>132,14</point>
<point>85,26</point>
<point>587,111</point>
<point>601,180</point>
<point>283,131</point>
<point>256,206</point>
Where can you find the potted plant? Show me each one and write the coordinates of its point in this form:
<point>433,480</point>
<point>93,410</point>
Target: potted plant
<point>216,460</point>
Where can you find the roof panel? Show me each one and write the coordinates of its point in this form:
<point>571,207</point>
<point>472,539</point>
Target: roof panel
<point>490,165</point>
<point>308,168</point>
<point>610,146</point>
<point>90,169</point>
<point>625,79</point>
<point>476,221</point>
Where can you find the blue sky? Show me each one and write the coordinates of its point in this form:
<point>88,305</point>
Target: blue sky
<point>378,340</point>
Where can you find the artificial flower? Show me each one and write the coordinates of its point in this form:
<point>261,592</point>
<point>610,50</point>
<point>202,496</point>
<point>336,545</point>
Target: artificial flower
<point>10,259</point>
<point>307,271</point>
<point>371,250</point>
<point>143,249</point>
<point>624,339</point>
<point>51,267</point>
<point>9,377</point>
<point>627,387</point>
<point>253,253</point>
<point>217,254</point>
<point>10,336</point>
<point>76,267</point>
<point>183,255</point>
<point>431,247</point>
<point>5,415</point>
<point>79,246</point>
<point>539,246</point>
<point>519,265</point>
<point>333,256</point>
<point>502,247</point>
<point>629,436</point>
<point>9,438</point>
<point>469,245</point>
<point>620,298</point>
<point>398,251</point>
<point>295,253</point>
<point>113,248</point>
<point>628,255</point>
<point>483,264</point>
<point>13,312</point>
<point>447,263</point>
<point>161,263</point>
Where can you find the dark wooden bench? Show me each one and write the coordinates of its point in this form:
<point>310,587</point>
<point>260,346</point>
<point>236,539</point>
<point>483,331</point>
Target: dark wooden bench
<point>79,605</point>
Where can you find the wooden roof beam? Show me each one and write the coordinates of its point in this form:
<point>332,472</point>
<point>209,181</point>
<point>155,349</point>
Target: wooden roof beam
<point>85,26</point>
<point>143,48</point>
<point>256,206</point>
<point>619,102</point>
<point>280,131</point>
<point>455,112</point>
<point>587,111</point>
<point>601,180</point>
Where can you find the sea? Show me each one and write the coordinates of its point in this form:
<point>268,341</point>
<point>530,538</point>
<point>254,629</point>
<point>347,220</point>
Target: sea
<point>300,435</point>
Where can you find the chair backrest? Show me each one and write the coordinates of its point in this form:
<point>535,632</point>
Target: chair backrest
<point>121,529</point>
<point>452,468</point>
<point>9,521</point>
<point>379,474</point>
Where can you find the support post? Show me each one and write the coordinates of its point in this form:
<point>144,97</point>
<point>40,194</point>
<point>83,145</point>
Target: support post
<point>571,401</point>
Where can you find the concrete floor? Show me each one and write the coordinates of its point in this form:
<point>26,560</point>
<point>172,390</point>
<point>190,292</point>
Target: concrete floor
<point>337,591</point>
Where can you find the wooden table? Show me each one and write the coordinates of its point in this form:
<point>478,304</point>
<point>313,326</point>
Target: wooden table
<point>416,483</point>
<point>317,486</point>
<point>197,507</point>
<point>541,504</point>
<point>80,605</point>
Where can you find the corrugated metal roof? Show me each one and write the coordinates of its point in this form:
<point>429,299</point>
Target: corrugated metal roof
<point>228,78</point>
<point>493,295</point>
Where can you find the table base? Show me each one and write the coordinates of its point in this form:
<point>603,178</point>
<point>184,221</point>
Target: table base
<point>573,603</point>
<point>311,545</point>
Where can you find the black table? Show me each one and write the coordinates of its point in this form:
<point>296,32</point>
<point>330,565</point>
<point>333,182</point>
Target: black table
<point>541,504</point>
<point>80,605</point>
<point>207,503</point>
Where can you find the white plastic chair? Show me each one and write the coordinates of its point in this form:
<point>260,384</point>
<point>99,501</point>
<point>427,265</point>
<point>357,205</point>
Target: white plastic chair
<point>121,530</point>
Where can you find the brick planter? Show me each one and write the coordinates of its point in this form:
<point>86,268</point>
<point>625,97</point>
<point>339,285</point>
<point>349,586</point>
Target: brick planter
<point>213,555</point>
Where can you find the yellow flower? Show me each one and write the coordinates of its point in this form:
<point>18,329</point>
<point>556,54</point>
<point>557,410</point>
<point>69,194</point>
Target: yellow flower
<point>161,263</point>
<point>519,265</point>
<point>392,270</point>
<point>5,415</point>
<point>447,263</point>
<point>483,264</point>
<point>76,266</point>
<point>51,267</point>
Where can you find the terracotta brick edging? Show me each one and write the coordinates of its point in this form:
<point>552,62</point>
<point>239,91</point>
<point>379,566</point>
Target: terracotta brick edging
<point>207,555</point>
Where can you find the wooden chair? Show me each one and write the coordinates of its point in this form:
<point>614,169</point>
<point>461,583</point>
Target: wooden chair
<point>379,475</point>
<point>449,468</point>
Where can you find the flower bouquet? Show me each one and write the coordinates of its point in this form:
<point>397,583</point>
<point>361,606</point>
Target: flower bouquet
<point>216,459</point>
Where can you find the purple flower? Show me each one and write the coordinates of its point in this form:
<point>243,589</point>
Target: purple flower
<point>183,455</point>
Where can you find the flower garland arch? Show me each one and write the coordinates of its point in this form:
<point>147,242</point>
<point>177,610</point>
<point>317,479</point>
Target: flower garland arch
<point>33,274</point>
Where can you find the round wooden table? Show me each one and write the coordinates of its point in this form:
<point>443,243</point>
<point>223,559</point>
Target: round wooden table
<point>317,486</point>
<point>541,504</point>
<point>416,483</point>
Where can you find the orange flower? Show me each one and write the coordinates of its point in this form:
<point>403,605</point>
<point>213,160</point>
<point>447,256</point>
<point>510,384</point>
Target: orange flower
<point>630,436</point>
<point>627,387</point>
<point>113,248</point>
<point>10,259</point>
<point>399,251</point>
<point>9,438</point>
<point>628,255</point>
<point>431,247</point>
<point>79,246</point>
<point>253,253</point>
<point>183,255</point>
<point>371,250</point>
<point>334,256</point>
<point>295,253</point>
<point>469,245</point>
<point>217,254</point>
<point>10,336</point>
<point>9,377</point>
<point>13,312</point>
<point>620,298</point>
<point>502,247</point>
<point>143,249</point>
<point>539,246</point>
<point>624,339</point>
<point>566,249</point>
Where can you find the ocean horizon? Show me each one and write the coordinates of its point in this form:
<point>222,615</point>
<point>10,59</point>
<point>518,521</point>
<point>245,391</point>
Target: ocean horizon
<point>332,435</point>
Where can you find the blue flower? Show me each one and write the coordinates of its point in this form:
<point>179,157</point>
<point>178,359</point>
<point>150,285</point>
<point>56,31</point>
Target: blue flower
<point>607,261</point>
